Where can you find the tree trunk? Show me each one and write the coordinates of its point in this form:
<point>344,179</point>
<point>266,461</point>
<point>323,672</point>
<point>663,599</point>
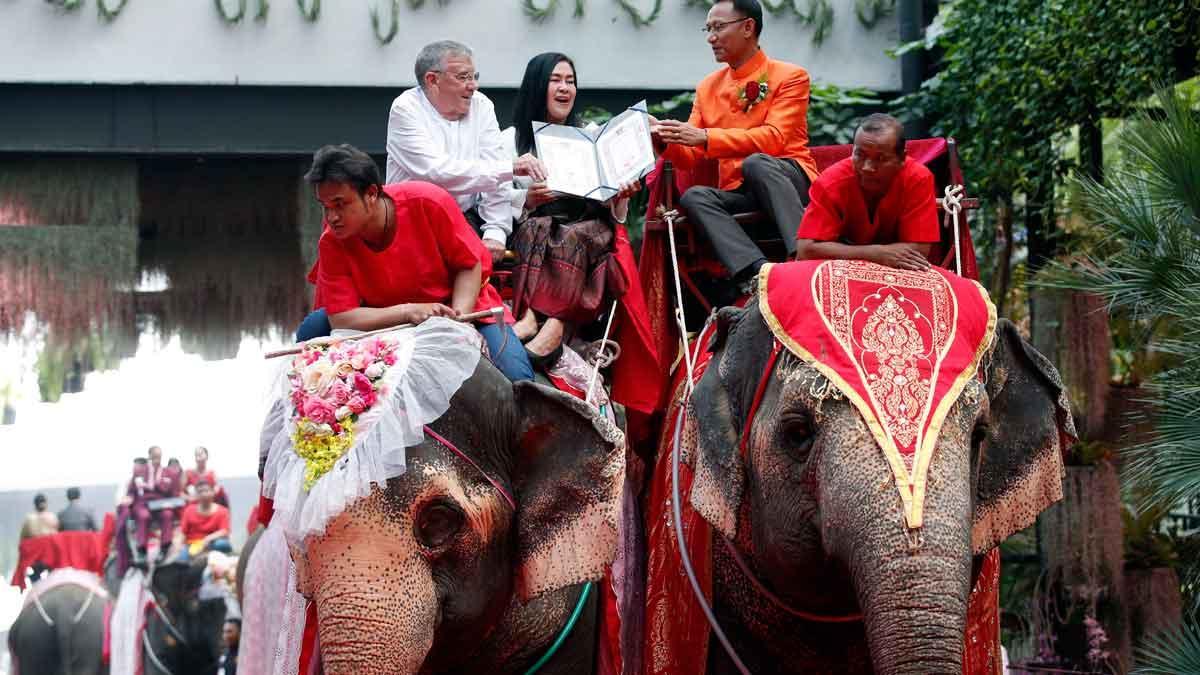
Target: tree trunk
<point>1002,273</point>
<point>1084,360</point>
<point>1084,549</point>
<point>1091,146</point>
<point>1154,602</point>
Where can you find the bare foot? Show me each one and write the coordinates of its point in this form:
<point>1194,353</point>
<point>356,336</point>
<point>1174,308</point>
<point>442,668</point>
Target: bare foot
<point>548,338</point>
<point>527,327</point>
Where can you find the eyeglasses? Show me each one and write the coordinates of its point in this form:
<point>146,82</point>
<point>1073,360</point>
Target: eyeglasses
<point>461,78</point>
<point>716,27</point>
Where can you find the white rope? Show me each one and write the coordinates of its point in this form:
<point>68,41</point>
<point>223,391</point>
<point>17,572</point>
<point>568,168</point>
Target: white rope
<point>952,205</point>
<point>86,603</point>
<point>42,610</point>
<point>669,216</point>
<point>599,360</point>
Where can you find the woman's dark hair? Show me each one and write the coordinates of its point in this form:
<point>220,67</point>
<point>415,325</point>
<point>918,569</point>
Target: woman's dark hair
<point>344,164</point>
<point>531,97</point>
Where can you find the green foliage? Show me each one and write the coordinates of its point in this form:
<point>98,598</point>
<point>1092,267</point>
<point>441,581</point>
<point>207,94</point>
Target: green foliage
<point>1170,653</point>
<point>390,34</point>
<point>228,17</point>
<point>834,111</point>
<point>1148,268</point>
<point>1146,545</point>
<point>533,11</point>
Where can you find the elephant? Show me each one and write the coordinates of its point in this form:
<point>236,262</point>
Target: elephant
<point>190,645</point>
<point>812,514</point>
<point>435,572</point>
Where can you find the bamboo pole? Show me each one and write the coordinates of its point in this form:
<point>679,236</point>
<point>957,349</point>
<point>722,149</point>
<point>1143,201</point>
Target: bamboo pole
<point>463,318</point>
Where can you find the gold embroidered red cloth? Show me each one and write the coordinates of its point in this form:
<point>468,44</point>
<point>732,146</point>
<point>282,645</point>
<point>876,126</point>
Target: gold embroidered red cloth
<point>900,345</point>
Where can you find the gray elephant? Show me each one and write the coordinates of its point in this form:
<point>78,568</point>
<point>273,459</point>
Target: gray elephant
<point>812,516</point>
<point>184,639</point>
<point>436,572</point>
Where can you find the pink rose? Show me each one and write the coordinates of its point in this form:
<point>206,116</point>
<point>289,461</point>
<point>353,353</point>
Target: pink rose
<point>340,392</point>
<point>360,360</point>
<point>362,385</point>
<point>356,404</point>
<point>389,358</point>
<point>318,411</point>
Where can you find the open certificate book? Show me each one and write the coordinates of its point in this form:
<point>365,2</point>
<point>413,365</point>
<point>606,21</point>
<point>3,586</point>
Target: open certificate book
<point>594,162</point>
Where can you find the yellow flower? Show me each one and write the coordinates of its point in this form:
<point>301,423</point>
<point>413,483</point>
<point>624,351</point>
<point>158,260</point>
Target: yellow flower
<point>320,452</point>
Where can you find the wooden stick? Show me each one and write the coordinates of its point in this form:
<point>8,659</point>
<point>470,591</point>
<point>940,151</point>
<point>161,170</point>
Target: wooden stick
<point>463,318</point>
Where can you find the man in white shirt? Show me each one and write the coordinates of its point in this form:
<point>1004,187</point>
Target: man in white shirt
<point>444,131</point>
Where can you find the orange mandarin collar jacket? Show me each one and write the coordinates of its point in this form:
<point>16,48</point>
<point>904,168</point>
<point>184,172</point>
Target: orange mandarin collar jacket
<point>776,125</point>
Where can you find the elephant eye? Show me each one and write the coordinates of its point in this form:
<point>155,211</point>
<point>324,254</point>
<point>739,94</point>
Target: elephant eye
<point>437,524</point>
<point>978,435</point>
<point>797,433</point>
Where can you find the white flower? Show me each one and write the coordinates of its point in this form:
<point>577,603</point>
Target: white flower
<point>375,370</point>
<point>318,377</point>
<point>323,430</point>
<point>342,413</point>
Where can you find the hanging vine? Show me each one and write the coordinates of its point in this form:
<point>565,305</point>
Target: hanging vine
<point>394,26</point>
<point>636,14</point>
<point>869,12</point>
<point>263,7</point>
<point>819,17</point>
<point>67,5</point>
<point>109,13</point>
<point>310,14</point>
<point>542,13</point>
<point>226,16</point>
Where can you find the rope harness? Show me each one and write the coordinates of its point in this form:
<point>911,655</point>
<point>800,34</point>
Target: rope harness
<point>41,609</point>
<point>952,205</point>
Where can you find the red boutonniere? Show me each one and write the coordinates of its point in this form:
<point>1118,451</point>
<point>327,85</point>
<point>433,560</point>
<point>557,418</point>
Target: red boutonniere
<point>753,92</point>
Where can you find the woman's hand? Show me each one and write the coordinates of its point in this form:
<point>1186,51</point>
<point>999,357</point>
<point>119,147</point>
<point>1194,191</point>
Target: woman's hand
<point>627,190</point>
<point>417,312</point>
<point>539,194</point>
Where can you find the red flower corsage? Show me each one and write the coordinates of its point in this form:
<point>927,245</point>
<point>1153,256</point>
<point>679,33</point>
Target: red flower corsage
<point>753,92</point>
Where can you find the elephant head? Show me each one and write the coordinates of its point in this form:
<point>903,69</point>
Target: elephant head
<point>186,636</point>
<point>812,504</point>
<point>419,575</point>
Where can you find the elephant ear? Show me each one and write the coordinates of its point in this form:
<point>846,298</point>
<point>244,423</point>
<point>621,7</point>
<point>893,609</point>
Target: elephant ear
<point>1021,461</point>
<point>719,475</point>
<point>569,477</point>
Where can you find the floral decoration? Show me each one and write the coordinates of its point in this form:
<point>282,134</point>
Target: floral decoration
<point>331,387</point>
<point>754,92</point>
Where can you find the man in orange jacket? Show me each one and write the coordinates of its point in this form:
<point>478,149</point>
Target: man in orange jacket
<point>752,117</point>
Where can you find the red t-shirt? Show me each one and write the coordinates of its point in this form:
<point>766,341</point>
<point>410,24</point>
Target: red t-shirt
<point>191,478</point>
<point>196,525</point>
<point>837,210</point>
<point>432,242</point>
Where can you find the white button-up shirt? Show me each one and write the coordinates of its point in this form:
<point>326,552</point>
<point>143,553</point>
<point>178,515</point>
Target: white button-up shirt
<point>465,157</point>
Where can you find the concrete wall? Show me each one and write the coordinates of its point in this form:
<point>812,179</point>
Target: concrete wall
<point>185,42</point>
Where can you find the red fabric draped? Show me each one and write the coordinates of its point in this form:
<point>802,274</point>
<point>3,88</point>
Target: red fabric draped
<point>79,550</point>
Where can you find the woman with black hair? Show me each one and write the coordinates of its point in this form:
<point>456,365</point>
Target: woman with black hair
<point>564,244</point>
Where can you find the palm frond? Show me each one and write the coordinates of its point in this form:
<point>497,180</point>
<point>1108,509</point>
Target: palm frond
<point>1170,653</point>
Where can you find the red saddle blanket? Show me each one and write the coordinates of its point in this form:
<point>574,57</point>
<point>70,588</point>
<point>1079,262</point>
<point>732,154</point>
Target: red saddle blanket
<point>901,345</point>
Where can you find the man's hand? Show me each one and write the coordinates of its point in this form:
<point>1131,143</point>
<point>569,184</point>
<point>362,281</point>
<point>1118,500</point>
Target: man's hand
<point>902,256</point>
<point>495,248</point>
<point>539,194</point>
<point>528,165</point>
<point>682,133</point>
<point>656,134</point>
<point>418,312</point>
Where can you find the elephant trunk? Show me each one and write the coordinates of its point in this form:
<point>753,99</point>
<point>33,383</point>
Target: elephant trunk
<point>364,628</point>
<point>915,613</point>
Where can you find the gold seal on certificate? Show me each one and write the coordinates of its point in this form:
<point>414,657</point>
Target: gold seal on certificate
<point>594,162</point>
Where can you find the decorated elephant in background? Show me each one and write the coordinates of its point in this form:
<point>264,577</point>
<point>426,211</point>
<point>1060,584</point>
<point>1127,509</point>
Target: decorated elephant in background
<point>437,573</point>
<point>810,513</point>
<point>184,639</point>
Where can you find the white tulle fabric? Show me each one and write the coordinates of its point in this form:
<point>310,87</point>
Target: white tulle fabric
<point>126,624</point>
<point>433,360</point>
